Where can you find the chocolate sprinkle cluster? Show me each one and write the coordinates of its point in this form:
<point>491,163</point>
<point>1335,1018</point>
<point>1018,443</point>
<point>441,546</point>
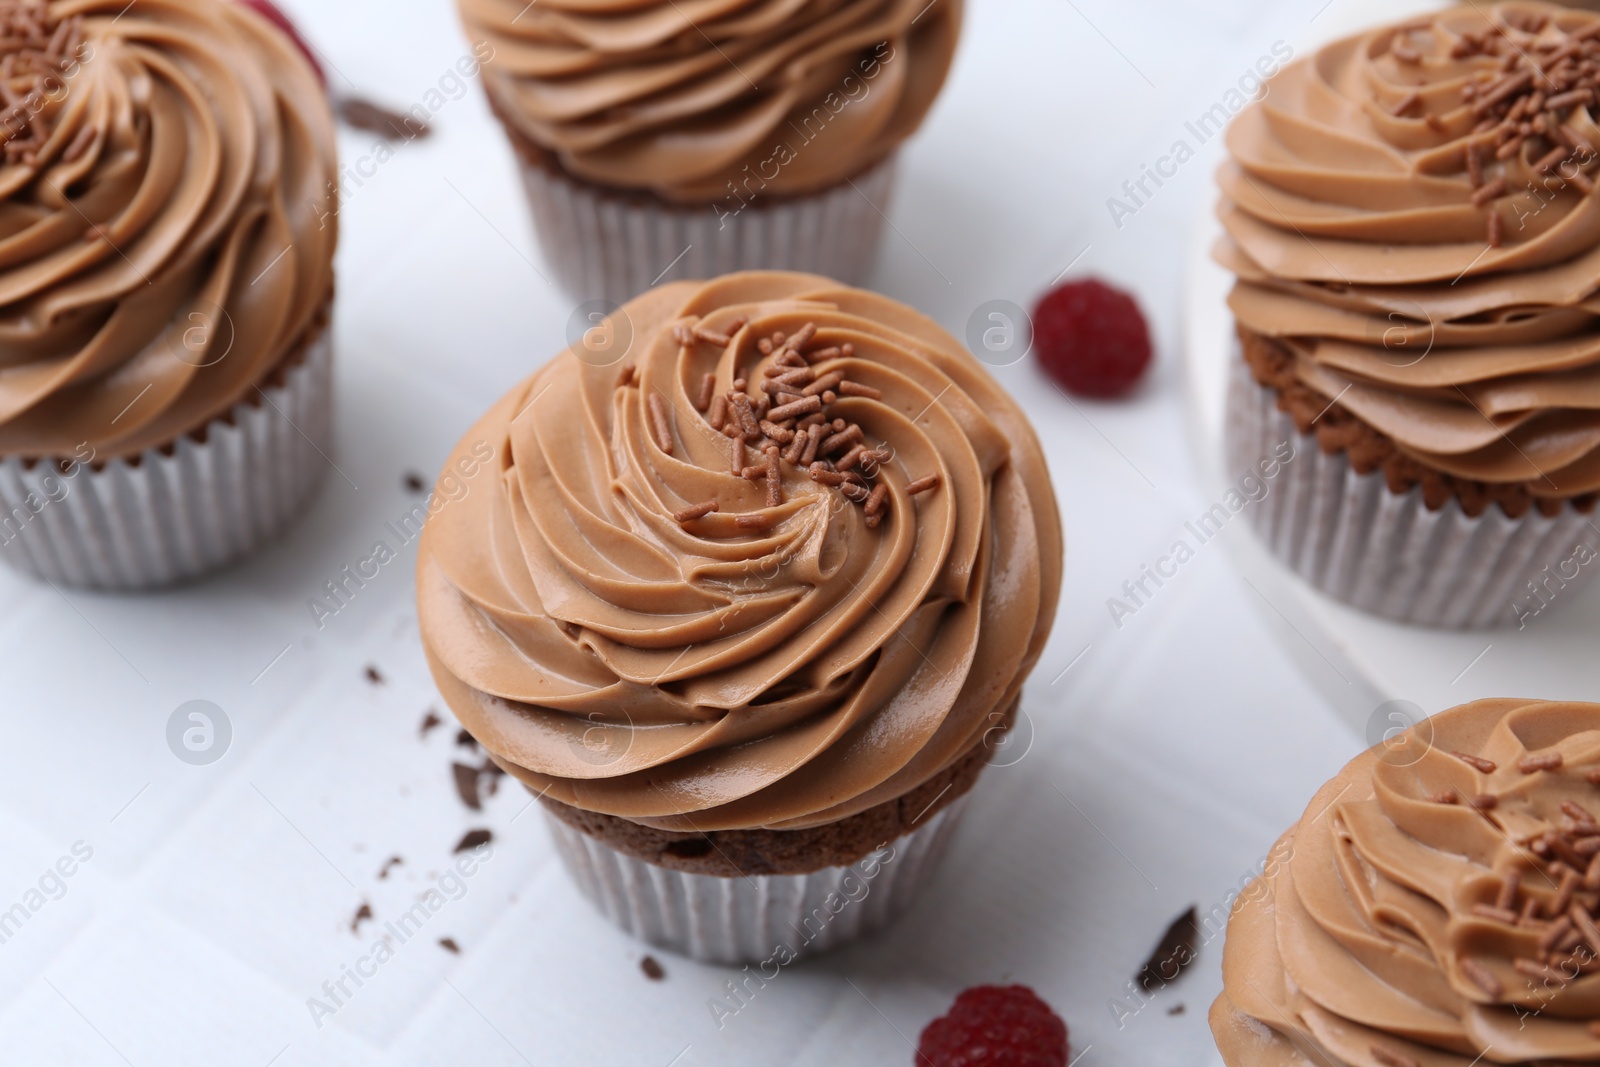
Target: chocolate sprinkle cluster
<point>786,420</point>
<point>35,50</point>
<point>1558,898</point>
<point>1525,106</point>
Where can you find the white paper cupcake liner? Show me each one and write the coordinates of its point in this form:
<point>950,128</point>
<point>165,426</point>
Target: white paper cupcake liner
<point>162,518</point>
<point>754,919</point>
<point>610,246</point>
<point>1386,553</point>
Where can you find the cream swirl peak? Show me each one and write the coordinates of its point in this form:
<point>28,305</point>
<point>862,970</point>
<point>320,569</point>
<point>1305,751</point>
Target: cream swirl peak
<point>638,617</point>
<point>1439,907</point>
<point>1411,214</point>
<point>166,236</point>
<point>692,100</point>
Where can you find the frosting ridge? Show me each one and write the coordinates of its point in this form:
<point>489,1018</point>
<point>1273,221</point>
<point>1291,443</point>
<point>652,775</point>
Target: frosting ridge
<point>694,100</point>
<point>657,598</point>
<point>1411,211</point>
<point>1437,906</point>
<point>166,220</point>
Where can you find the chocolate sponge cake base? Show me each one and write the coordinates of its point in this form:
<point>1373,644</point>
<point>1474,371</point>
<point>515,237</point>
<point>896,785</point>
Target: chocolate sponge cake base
<point>735,853</point>
<point>1340,430</point>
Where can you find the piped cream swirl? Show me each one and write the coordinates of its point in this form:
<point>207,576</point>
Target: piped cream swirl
<point>1449,302</point>
<point>690,98</point>
<point>702,674</point>
<point>1436,907</point>
<point>171,239</point>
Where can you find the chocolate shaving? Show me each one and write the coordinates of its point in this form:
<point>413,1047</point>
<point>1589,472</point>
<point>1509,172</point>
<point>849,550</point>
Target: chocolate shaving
<point>388,865</point>
<point>373,676</point>
<point>362,114</point>
<point>449,945</point>
<point>1177,949</point>
<point>466,779</point>
<point>473,839</point>
<point>652,969</point>
<point>429,721</point>
<point>362,914</point>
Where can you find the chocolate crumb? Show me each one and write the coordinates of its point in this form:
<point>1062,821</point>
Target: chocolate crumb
<point>1176,951</point>
<point>429,721</point>
<point>472,839</point>
<point>449,945</point>
<point>466,740</point>
<point>388,865</point>
<point>373,676</point>
<point>466,779</point>
<point>493,772</point>
<point>413,482</point>
<point>652,969</point>
<point>363,114</point>
<point>363,913</point>
<point>1177,1009</point>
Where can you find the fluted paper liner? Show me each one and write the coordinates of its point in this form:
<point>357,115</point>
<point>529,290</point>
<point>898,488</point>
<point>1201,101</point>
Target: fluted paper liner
<point>613,246</point>
<point>1386,553</point>
<point>762,917</point>
<point>176,513</point>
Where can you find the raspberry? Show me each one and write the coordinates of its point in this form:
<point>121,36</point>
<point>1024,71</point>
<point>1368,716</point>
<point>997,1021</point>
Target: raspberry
<point>1091,338</point>
<point>995,1026</point>
<point>270,11</point>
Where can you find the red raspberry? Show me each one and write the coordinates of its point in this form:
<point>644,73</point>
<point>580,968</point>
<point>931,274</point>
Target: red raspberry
<point>1091,338</point>
<point>995,1026</point>
<point>271,12</point>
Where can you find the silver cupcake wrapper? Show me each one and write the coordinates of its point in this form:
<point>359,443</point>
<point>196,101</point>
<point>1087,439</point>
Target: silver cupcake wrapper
<point>176,513</point>
<point>777,917</point>
<point>1355,539</point>
<point>611,246</point>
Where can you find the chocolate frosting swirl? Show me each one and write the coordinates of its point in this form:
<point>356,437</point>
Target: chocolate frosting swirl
<point>166,221</point>
<point>1412,212</point>
<point>699,673</point>
<point>696,99</point>
<point>1437,904</point>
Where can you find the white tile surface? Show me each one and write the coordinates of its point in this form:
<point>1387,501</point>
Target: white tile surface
<point>220,898</point>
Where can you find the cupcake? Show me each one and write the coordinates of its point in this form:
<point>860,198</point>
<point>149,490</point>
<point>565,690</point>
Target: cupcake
<point>1412,220</point>
<point>744,588</point>
<point>164,300</point>
<point>705,138</point>
<point>1435,907</point>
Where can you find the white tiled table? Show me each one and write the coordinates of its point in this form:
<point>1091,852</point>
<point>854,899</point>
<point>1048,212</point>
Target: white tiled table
<point>1166,754</point>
